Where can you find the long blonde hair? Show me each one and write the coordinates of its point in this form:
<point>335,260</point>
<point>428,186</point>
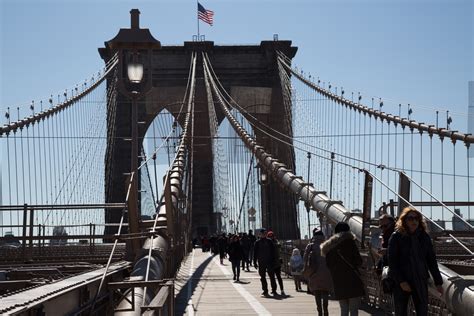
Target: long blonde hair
<point>401,224</point>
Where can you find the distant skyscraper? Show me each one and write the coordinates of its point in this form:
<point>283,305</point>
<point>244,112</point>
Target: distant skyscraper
<point>458,224</point>
<point>470,118</point>
<point>433,228</point>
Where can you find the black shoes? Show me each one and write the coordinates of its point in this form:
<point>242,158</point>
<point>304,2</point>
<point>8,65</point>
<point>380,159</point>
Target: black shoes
<point>264,294</point>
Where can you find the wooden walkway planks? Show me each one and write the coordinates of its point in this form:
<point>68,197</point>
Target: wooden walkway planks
<point>204,287</point>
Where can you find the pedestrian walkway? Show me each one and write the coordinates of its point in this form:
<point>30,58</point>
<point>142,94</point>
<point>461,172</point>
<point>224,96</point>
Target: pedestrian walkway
<point>205,287</point>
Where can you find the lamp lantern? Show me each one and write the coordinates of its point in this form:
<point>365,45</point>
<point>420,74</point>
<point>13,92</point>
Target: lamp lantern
<point>135,72</point>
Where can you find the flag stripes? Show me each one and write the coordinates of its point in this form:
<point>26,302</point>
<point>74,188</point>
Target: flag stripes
<point>205,15</point>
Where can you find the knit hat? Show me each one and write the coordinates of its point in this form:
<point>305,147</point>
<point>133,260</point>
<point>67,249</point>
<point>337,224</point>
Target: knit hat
<point>341,227</point>
<point>317,232</point>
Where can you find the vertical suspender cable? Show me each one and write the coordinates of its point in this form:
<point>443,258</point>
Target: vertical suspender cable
<point>381,153</point>
<point>16,178</point>
<point>9,171</point>
<point>411,162</point>
<point>388,157</point>
<point>431,174</point>
<point>421,165</point>
<point>468,181</point>
<point>442,175</point>
<point>22,162</point>
<point>454,174</point>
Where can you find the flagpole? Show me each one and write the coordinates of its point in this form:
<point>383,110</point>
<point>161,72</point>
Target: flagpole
<point>197,16</point>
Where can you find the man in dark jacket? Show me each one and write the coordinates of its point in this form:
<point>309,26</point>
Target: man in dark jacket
<point>264,258</point>
<point>222,247</point>
<point>235,255</point>
<point>252,239</point>
<point>245,242</point>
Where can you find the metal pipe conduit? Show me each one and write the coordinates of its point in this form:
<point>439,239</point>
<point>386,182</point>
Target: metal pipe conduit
<point>159,248</point>
<point>458,296</point>
<point>412,124</point>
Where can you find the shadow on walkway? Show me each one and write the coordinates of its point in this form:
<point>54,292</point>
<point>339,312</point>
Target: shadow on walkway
<point>181,299</point>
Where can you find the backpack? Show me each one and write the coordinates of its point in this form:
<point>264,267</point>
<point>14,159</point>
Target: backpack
<point>311,262</point>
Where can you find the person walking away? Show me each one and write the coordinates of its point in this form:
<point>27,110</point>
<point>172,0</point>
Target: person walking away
<point>264,258</point>
<point>205,244</point>
<point>410,256</point>
<point>252,240</point>
<point>213,244</point>
<point>296,267</point>
<point>278,261</point>
<point>222,247</point>
<point>319,281</point>
<point>343,260</point>
<point>245,242</point>
<point>235,256</point>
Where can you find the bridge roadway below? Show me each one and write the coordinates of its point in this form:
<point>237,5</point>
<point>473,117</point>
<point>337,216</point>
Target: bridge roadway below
<point>205,287</point>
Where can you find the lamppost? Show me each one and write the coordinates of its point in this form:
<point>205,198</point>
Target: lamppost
<point>225,215</point>
<point>262,178</point>
<point>134,85</point>
<point>135,77</point>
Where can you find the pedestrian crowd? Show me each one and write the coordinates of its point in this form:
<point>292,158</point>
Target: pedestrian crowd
<point>331,266</point>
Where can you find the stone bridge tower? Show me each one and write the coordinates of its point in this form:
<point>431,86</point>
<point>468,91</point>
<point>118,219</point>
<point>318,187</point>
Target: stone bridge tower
<point>249,73</point>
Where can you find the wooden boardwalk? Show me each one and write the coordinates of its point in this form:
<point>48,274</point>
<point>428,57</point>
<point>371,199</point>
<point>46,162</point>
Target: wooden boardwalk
<point>205,287</point>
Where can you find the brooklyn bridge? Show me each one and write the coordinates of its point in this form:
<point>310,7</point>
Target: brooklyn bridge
<point>92,225</point>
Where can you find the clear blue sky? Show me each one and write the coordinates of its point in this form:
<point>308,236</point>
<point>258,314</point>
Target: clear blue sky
<point>406,51</point>
<point>417,51</point>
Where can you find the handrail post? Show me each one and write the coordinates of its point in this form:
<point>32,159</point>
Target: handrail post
<point>368,185</point>
<point>90,237</point>
<point>169,208</point>
<point>32,212</point>
<point>133,214</point>
<point>40,248</point>
<point>93,232</point>
<point>44,234</point>
<point>403,191</point>
<point>170,284</point>
<point>25,217</point>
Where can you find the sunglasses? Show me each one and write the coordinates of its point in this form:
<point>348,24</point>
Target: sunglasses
<point>412,218</point>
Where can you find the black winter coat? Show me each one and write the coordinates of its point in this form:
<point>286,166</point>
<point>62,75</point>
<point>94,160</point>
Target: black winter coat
<point>264,252</point>
<point>235,251</point>
<point>401,265</point>
<point>343,260</point>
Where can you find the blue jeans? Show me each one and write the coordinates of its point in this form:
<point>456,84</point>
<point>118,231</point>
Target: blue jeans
<point>350,305</point>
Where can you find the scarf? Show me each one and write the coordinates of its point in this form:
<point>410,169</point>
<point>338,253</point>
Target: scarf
<point>418,267</point>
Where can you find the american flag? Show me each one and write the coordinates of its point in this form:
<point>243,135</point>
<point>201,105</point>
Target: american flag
<point>205,15</point>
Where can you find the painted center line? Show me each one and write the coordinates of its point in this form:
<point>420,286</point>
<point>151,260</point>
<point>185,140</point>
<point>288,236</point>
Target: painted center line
<point>253,302</point>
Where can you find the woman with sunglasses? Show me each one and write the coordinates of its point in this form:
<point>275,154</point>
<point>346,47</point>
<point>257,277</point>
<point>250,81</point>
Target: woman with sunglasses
<point>410,256</point>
